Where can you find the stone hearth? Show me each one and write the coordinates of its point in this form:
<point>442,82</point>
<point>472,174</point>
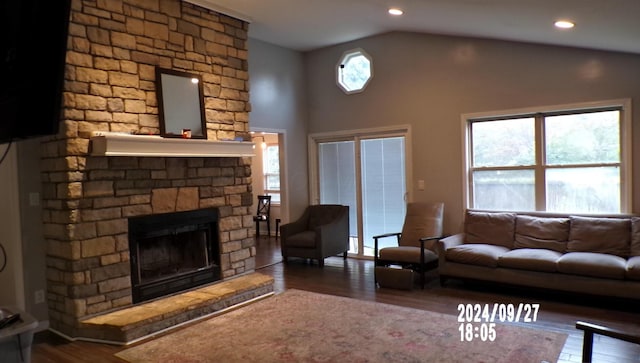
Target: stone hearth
<point>128,325</point>
<point>113,49</point>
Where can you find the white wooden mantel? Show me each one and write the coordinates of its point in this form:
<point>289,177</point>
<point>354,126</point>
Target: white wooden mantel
<point>121,144</point>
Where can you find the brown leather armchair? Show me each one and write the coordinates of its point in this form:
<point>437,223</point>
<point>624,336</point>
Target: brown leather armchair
<point>416,243</point>
<point>321,231</point>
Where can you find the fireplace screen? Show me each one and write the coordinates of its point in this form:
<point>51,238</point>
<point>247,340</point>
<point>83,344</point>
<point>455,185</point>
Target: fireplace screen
<point>173,252</point>
<point>183,252</point>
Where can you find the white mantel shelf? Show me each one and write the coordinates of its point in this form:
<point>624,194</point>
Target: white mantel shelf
<point>119,144</point>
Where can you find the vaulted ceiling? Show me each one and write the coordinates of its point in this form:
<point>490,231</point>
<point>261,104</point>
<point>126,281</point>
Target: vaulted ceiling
<point>309,24</point>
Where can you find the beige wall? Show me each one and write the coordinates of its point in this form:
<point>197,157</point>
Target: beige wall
<point>34,246</point>
<point>429,81</point>
<point>11,278</point>
<point>23,238</point>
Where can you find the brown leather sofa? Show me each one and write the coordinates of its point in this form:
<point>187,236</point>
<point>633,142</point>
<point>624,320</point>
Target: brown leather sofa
<point>579,254</point>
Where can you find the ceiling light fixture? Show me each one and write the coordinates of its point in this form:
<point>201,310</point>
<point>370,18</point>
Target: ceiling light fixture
<point>395,11</point>
<point>564,24</point>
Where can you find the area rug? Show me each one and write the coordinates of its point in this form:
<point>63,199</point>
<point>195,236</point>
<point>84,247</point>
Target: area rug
<point>299,326</point>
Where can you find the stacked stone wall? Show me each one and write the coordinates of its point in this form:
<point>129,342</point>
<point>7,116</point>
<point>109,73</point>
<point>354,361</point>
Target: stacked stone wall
<point>113,49</point>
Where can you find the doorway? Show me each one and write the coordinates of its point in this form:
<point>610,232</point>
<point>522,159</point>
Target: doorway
<point>267,179</point>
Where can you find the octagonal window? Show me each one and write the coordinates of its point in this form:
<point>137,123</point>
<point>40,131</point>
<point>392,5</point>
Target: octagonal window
<point>354,71</point>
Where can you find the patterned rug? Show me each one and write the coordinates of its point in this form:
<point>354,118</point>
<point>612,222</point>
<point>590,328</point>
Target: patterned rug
<point>299,326</point>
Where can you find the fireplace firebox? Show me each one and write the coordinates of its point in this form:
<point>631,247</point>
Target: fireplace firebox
<point>171,252</point>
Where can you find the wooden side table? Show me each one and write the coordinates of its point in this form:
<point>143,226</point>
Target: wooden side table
<point>16,339</point>
<point>590,329</point>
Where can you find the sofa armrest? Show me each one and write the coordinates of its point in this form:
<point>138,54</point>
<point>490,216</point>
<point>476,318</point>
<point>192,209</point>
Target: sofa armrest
<point>446,243</point>
<point>451,241</point>
<point>289,229</point>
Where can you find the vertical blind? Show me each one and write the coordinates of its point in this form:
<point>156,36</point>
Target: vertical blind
<point>382,170</point>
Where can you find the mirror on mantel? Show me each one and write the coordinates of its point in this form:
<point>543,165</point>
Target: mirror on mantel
<point>180,104</point>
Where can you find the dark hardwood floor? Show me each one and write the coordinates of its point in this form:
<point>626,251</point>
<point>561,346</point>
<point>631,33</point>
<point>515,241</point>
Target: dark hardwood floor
<point>354,278</point>
<point>267,251</point>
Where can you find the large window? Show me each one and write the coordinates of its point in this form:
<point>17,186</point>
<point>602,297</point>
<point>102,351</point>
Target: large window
<point>564,160</point>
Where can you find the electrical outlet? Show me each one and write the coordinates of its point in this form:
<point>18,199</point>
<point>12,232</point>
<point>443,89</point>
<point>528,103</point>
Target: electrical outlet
<point>39,296</point>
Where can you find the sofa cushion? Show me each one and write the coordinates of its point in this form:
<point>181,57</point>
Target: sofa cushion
<point>593,264</point>
<point>306,239</point>
<point>490,228</point>
<point>633,268</point>
<point>635,237</point>
<point>476,254</point>
<point>542,232</point>
<point>534,259</point>
<point>406,254</point>
<point>601,235</point>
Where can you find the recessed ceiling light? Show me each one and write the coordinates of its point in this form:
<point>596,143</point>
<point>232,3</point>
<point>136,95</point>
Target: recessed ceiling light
<point>564,24</point>
<point>395,11</point>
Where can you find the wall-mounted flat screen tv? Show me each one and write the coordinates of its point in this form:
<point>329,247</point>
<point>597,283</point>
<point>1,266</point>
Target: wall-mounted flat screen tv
<point>33,45</point>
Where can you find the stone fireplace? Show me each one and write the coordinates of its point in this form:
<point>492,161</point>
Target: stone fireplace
<point>90,200</point>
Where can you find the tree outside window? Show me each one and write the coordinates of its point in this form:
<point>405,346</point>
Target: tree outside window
<point>570,162</point>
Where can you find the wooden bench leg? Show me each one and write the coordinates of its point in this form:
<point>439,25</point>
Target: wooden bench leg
<point>587,346</point>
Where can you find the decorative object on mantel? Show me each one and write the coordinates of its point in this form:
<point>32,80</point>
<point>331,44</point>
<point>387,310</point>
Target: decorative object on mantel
<point>123,144</point>
<point>180,104</point>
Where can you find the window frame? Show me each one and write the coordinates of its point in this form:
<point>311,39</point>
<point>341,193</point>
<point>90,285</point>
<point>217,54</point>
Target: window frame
<point>265,174</point>
<point>625,137</point>
<point>341,62</point>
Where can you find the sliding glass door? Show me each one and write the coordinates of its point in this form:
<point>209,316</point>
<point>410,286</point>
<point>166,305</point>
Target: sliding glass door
<point>367,173</point>
<point>383,189</point>
<point>337,172</point>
